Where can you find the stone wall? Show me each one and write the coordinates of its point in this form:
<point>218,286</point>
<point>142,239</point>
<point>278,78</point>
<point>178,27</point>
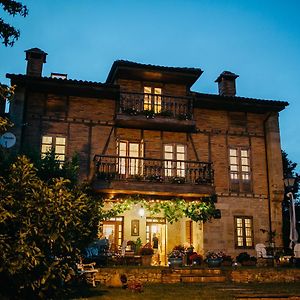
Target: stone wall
<point>168,275</point>
<point>265,275</point>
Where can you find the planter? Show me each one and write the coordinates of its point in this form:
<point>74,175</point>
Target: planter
<point>146,260</point>
<point>248,263</point>
<point>175,262</point>
<point>214,262</point>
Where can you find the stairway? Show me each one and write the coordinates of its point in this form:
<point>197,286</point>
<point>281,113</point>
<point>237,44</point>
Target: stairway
<point>193,275</point>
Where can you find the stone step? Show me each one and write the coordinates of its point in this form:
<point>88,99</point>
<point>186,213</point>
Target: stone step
<point>204,279</point>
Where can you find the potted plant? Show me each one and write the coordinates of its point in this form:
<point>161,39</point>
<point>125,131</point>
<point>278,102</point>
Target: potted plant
<point>146,252</point>
<point>214,259</point>
<point>245,259</point>
<point>176,256</point>
<point>227,260</point>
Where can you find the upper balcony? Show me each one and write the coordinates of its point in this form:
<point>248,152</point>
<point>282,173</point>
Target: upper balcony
<point>155,111</point>
<point>160,177</point>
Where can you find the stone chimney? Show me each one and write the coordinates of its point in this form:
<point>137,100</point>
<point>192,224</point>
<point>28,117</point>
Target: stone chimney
<point>226,83</point>
<point>35,59</point>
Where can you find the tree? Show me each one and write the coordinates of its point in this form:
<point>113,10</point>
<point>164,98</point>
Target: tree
<point>43,226</point>
<point>8,33</point>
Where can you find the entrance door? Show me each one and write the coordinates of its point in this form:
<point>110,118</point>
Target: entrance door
<point>112,229</point>
<point>156,227</point>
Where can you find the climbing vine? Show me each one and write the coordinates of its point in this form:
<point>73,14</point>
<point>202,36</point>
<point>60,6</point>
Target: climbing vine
<point>201,210</point>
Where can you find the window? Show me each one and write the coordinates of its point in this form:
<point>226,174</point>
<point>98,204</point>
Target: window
<point>243,232</point>
<point>130,162</point>
<point>174,155</point>
<point>58,144</point>
<point>152,99</point>
<point>240,175</point>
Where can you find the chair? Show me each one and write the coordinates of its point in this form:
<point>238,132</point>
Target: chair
<point>261,251</point>
<point>88,271</point>
<point>297,251</point>
<point>263,259</point>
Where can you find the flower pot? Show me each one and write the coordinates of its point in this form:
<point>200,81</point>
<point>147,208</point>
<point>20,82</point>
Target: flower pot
<point>146,260</point>
<point>214,262</point>
<point>175,262</point>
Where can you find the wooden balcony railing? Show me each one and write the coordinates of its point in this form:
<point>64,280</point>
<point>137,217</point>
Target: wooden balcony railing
<point>110,168</point>
<point>152,105</point>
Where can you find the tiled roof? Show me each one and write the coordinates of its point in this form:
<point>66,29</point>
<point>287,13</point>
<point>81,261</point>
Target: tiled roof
<point>123,64</point>
<point>157,67</point>
<point>58,80</point>
<point>237,100</point>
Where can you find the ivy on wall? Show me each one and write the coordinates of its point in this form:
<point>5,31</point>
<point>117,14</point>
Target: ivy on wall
<point>173,210</point>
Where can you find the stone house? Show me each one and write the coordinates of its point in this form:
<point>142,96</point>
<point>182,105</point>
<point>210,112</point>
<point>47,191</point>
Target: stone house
<point>145,132</point>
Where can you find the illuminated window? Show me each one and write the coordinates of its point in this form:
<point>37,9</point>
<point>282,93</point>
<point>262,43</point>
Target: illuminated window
<point>152,99</point>
<point>239,168</point>
<point>243,232</point>
<point>58,144</point>
<point>174,155</point>
<point>130,154</point>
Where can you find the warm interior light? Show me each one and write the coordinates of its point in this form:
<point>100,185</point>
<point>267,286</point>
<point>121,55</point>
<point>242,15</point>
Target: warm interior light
<point>141,212</point>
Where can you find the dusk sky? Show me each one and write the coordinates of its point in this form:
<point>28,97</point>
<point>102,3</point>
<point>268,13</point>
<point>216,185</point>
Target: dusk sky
<point>258,40</point>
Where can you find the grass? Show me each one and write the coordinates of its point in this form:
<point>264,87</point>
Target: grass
<point>179,291</point>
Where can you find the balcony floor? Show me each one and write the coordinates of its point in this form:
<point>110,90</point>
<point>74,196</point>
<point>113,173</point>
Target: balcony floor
<point>170,190</point>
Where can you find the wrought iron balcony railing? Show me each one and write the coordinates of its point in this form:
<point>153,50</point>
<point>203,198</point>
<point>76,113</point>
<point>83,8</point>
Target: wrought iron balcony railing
<point>152,105</point>
<point>125,168</point>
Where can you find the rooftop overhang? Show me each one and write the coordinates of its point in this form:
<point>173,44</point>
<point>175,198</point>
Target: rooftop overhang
<point>65,86</point>
<point>136,71</point>
<point>233,103</point>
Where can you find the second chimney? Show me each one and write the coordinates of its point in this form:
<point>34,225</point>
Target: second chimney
<point>35,59</point>
<point>226,83</point>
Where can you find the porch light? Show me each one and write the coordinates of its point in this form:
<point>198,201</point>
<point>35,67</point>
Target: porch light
<point>141,212</point>
<point>289,182</point>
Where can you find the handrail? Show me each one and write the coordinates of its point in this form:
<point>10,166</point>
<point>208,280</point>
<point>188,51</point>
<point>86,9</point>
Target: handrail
<point>112,167</point>
<point>156,105</point>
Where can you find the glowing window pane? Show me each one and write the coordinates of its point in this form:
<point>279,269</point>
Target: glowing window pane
<point>60,141</point>
<point>168,148</point>
<point>244,153</point>
<point>47,140</point>
<point>157,91</point>
<point>147,89</point>
<point>59,149</point>
<point>46,148</point>
<point>233,152</point>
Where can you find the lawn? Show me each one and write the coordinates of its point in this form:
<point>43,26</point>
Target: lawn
<point>188,291</point>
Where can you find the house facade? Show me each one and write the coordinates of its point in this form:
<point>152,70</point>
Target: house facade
<point>144,133</point>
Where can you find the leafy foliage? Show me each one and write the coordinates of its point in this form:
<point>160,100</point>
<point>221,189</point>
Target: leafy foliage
<point>6,93</point>
<point>8,33</point>
<point>173,210</point>
<point>43,226</point>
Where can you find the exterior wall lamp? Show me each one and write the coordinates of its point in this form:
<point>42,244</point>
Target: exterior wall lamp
<point>289,184</point>
<point>141,212</point>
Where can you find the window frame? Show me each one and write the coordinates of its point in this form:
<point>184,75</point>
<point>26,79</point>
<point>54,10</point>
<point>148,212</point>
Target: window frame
<point>239,184</point>
<point>244,233</point>
<point>126,160</point>
<point>152,101</point>
<point>174,166</point>
<point>53,145</point>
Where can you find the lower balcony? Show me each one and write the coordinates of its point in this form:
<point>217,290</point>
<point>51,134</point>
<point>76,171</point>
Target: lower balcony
<point>157,177</point>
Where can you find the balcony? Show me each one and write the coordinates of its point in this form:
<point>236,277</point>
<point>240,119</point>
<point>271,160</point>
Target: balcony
<point>160,177</point>
<point>152,111</point>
